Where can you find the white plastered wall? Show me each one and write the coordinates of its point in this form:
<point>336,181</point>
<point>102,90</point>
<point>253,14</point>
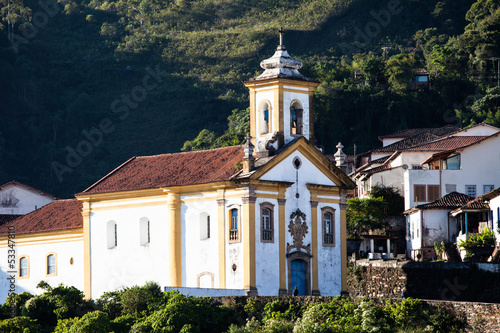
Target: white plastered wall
<point>26,200</point>
<point>329,270</point>
<point>66,273</point>
<point>129,263</point>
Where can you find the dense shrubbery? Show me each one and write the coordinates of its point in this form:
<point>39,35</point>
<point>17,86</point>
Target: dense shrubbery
<point>146,309</point>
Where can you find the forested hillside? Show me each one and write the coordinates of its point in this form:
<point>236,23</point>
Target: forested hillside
<point>84,85</point>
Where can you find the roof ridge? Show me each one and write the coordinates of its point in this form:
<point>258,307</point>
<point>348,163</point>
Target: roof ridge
<point>188,152</point>
<point>109,174</point>
<point>29,187</point>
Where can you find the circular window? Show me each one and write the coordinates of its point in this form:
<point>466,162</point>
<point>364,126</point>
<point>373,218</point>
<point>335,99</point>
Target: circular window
<point>71,261</point>
<point>297,163</point>
<point>234,267</point>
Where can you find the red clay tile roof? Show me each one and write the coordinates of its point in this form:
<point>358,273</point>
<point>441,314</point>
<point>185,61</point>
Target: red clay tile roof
<point>147,172</point>
<point>414,131</point>
<point>480,203</point>
<point>4,218</point>
<point>450,143</point>
<point>450,201</point>
<point>57,215</point>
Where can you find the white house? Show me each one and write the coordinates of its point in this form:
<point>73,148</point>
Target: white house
<point>466,164</point>
<point>222,221</point>
<point>18,199</point>
<point>46,244</point>
<point>432,223</point>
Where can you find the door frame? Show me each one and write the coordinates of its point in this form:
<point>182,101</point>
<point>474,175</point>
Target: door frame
<point>306,258</point>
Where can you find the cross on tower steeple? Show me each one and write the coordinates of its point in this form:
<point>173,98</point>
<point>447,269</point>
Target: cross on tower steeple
<point>281,32</point>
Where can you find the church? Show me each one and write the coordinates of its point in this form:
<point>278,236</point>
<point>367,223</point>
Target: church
<point>264,218</point>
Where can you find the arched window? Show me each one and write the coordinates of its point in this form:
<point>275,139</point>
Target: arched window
<point>204,226</point>
<point>267,222</point>
<point>234,235</point>
<point>112,234</point>
<point>145,231</point>
<point>328,221</point>
<point>23,267</point>
<point>265,117</point>
<point>296,118</point>
<point>51,264</point>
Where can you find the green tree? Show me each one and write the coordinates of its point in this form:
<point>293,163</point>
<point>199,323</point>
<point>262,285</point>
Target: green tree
<point>364,215</point>
<point>399,70</point>
<point>395,202</point>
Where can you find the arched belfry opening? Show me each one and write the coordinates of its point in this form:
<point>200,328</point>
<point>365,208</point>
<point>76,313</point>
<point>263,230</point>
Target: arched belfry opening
<point>281,103</point>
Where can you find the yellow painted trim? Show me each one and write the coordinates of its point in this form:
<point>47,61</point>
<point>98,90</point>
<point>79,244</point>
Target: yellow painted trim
<point>282,240</point>
<point>248,226</point>
<point>222,239</point>
<point>266,196</point>
<point>87,262</point>
<point>28,267</point>
<point>332,201</point>
<point>312,154</point>
<point>136,194</point>
<point>174,261</point>
<point>47,264</point>
<point>44,237</point>
<point>131,205</point>
<point>314,245</point>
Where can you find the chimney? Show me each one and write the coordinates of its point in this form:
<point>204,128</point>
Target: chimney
<point>248,159</point>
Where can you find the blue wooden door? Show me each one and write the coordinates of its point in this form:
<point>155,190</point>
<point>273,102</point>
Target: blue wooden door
<point>298,270</point>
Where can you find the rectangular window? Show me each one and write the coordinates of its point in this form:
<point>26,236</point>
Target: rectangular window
<point>267,224</point>
<point>51,264</point>
<point>116,235</point>
<point>432,192</point>
<point>488,188</point>
<point>419,193</point>
<point>416,167</point>
<point>233,232</point>
<point>23,267</point>
<point>328,229</point>
<point>450,188</point>
<point>145,231</point>
<point>470,190</point>
<point>452,163</point>
<point>208,226</point>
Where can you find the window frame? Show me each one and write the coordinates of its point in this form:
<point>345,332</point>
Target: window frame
<point>47,266</point>
<point>204,225</point>
<point>431,193</point>
<point>423,188</point>
<point>467,187</point>
<point>234,234</point>
<point>144,231</point>
<point>27,275</point>
<point>269,206</point>
<point>492,187</point>
<point>299,114</point>
<point>264,125</point>
<point>112,234</point>
<point>331,211</point>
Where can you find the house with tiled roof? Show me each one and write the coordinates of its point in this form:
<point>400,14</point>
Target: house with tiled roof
<point>48,245</point>
<point>262,218</point>
<point>17,198</point>
<point>388,165</point>
<point>466,164</point>
<point>477,215</point>
<point>431,223</point>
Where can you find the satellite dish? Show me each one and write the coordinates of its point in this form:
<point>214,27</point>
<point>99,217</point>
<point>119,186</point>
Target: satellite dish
<point>405,166</point>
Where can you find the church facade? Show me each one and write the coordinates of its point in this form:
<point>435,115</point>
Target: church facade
<point>264,218</point>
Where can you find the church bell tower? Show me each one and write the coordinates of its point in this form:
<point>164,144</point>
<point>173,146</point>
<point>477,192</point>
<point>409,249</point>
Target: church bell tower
<point>281,103</point>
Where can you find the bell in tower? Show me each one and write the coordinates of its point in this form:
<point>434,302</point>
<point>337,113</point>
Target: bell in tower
<point>281,103</point>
